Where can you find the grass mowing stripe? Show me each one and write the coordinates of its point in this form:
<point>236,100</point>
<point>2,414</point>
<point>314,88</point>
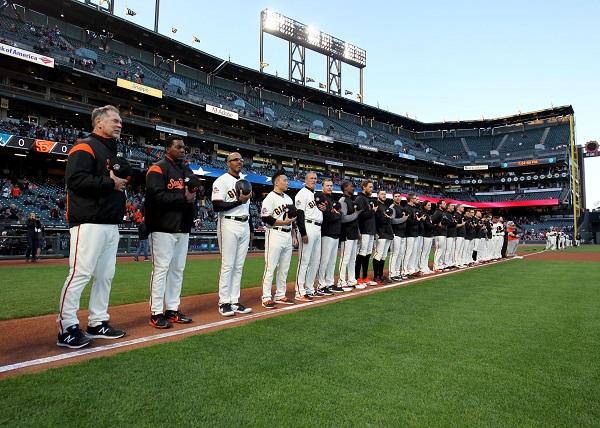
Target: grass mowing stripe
<point>512,344</point>
<point>31,291</point>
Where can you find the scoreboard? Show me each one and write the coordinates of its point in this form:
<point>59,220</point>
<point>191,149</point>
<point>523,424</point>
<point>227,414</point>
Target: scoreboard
<point>34,144</point>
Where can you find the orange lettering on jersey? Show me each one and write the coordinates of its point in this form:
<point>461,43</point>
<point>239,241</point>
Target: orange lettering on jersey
<point>175,184</point>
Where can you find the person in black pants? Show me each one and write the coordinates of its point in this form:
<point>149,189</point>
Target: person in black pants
<point>142,241</point>
<point>34,235</point>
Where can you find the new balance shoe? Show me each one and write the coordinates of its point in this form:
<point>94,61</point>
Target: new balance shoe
<point>240,309</point>
<point>159,321</point>
<point>104,331</point>
<point>336,289</point>
<point>361,286</point>
<point>177,317</point>
<point>269,304</point>
<point>348,288</point>
<point>283,301</point>
<point>226,310</point>
<point>316,293</point>
<point>396,278</point>
<point>326,291</point>
<point>359,281</point>
<point>73,338</point>
<point>371,282</point>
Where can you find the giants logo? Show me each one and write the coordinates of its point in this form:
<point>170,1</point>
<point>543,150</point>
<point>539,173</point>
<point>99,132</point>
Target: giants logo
<point>43,146</point>
<point>279,210</point>
<point>175,184</point>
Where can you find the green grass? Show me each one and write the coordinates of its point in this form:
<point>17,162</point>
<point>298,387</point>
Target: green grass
<point>35,290</point>
<point>514,344</point>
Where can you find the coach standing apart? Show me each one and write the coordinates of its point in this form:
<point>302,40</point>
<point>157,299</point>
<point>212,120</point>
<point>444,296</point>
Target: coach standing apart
<point>279,241</point>
<point>142,241</point>
<point>309,221</point>
<point>367,228</point>
<point>95,206</point>
<point>233,233</point>
<point>330,239</point>
<point>349,236</point>
<point>170,214</point>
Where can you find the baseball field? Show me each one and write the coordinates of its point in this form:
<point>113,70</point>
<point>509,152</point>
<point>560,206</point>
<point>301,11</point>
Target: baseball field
<point>511,344</point>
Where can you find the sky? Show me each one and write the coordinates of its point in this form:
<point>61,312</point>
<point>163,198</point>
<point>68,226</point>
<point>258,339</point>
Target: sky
<point>433,61</point>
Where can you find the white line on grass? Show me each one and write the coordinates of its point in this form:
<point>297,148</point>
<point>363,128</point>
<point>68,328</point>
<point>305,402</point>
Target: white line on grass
<point>188,330</point>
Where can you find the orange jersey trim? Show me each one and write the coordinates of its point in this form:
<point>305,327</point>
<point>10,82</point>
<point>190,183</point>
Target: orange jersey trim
<point>82,147</point>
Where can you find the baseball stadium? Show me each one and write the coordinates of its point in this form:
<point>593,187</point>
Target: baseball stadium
<point>188,240</point>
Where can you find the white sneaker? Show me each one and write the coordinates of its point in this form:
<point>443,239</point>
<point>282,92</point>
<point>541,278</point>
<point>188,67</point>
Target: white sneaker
<point>361,286</point>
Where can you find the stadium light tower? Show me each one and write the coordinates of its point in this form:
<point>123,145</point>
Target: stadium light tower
<point>301,37</point>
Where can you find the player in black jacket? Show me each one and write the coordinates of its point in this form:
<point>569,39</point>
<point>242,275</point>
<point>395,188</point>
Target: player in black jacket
<point>450,237</point>
<point>440,231</point>
<point>330,236</point>
<point>349,236</point>
<point>385,236</point>
<point>399,242</point>
<point>367,228</point>
<point>170,214</point>
<point>95,208</point>
<point>410,263</point>
<point>428,209</point>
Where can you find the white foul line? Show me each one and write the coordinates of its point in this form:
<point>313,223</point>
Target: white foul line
<point>154,337</point>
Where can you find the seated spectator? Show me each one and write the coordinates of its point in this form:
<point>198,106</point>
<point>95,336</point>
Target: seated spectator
<point>16,191</point>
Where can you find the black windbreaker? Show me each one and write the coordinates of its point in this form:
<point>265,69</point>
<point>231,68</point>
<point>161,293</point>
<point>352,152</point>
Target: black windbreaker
<point>332,222</point>
<point>366,219</point>
<point>384,224</point>
<point>91,194</point>
<point>166,207</point>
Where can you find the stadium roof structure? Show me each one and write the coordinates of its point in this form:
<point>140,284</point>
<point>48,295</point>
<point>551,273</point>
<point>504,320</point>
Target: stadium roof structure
<point>91,18</point>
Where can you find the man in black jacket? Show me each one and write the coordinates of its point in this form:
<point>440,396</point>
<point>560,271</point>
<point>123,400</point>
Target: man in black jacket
<point>399,242</point>
<point>385,236</point>
<point>170,214</point>
<point>440,221</point>
<point>409,265</point>
<point>366,226</point>
<point>96,205</point>
<point>349,236</point>
<point>450,237</point>
<point>330,238</point>
<point>142,241</point>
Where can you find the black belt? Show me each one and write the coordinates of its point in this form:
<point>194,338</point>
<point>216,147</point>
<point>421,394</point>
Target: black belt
<point>316,223</point>
<point>243,218</point>
<point>283,229</point>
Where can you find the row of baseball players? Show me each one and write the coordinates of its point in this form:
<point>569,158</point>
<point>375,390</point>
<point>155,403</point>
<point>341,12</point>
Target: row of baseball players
<point>96,205</point>
<point>358,228</point>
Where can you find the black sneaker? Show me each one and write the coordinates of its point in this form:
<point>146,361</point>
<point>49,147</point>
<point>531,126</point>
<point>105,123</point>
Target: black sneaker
<point>317,293</point>
<point>240,309</point>
<point>104,331</point>
<point>336,289</point>
<point>74,338</point>
<point>386,280</point>
<point>326,291</point>
<point>226,310</point>
<point>177,317</point>
<point>159,321</point>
